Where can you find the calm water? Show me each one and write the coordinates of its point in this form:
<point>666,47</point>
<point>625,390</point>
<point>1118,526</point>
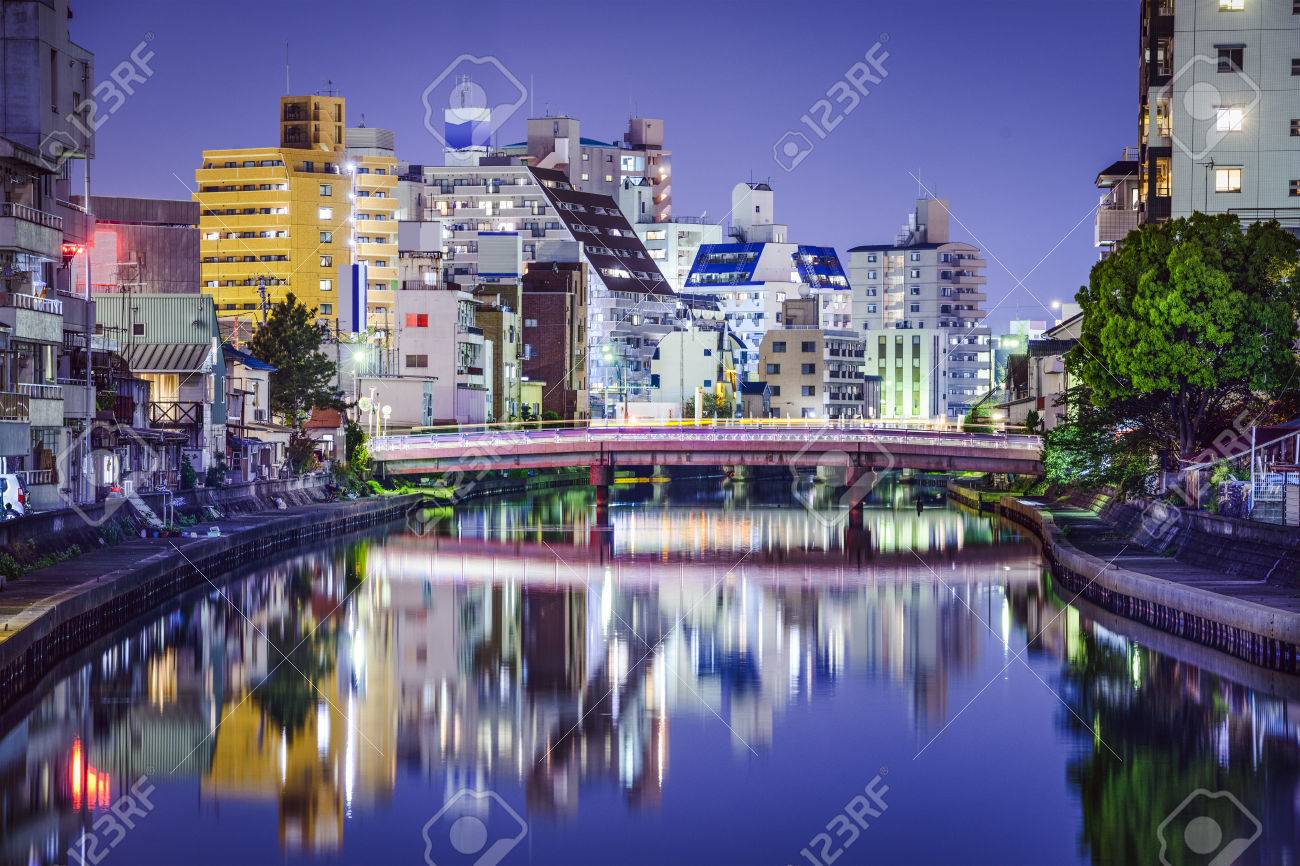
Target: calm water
<point>720,679</point>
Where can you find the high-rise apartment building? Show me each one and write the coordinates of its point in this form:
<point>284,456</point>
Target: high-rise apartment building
<point>672,243</point>
<point>279,219</point>
<point>372,166</point>
<point>813,372</point>
<point>1219,109</point>
<point>918,303</point>
<point>599,166</point>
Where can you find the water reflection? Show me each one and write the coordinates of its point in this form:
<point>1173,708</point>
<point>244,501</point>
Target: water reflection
<point>523,649</point>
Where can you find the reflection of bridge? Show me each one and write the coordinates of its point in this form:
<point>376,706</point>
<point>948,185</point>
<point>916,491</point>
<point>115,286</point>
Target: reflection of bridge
<point>859,449</point>
<point>559,564</point>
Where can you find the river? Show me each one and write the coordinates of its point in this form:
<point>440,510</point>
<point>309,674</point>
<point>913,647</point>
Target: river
<point>723,675</point>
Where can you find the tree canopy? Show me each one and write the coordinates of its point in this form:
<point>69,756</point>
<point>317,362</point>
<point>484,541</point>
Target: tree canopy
<point>1187,327</point>
<point>290,340</point>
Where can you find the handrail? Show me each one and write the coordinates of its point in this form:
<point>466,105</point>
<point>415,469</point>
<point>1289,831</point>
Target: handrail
<point>26,213</point>
<point>31,302</point>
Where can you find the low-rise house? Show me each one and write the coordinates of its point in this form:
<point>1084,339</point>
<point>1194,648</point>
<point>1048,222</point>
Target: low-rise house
<point>325,427</point>
<point>172,341</point>
<point>755,399</point>
<point>1039,382</point>
<point>254,446</point>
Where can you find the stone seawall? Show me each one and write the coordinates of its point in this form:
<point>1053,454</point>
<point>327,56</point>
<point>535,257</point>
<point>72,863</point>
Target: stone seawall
<point>1262,635</point>
<point>94,609</point>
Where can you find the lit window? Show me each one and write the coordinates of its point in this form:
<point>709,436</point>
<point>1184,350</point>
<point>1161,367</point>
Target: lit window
<point>1227,180</point>
<point>1232,5</point>
<point>1229,118</point>
<point>326,285</point>
<point>325,213</point>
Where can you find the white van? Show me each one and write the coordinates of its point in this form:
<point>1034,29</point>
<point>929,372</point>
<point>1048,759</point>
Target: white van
<point>13,497</point>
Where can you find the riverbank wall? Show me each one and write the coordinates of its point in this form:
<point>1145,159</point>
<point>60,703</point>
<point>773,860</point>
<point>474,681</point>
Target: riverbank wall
<point>87,611</point>
<point>1261,635</point>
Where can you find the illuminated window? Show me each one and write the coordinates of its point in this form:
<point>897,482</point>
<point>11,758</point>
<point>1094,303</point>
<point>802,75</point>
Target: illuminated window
<point>1232,5</point>
<point>1229,118</point>
<point>1227,180</point>
<point>325,213</point>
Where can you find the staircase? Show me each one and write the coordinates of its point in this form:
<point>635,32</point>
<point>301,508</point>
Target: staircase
<point>145,513</point>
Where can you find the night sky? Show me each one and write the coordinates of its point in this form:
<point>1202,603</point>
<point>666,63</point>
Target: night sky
<point>1006,107</point>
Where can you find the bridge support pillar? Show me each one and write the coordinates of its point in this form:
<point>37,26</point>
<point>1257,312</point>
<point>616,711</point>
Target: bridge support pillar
<point>602,476</point>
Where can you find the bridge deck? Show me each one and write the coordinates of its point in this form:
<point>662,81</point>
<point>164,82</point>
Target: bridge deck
<point>860,446</point>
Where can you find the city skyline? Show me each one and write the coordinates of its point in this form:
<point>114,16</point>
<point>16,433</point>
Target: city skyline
<point>718,137</point>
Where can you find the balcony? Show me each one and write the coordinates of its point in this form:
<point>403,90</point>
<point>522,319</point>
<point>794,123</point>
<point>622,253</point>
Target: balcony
<point>14,407</point>
<point>20,301</point>
<point>175,414</point>
<point>29,230</point>
<point>1114,224</point>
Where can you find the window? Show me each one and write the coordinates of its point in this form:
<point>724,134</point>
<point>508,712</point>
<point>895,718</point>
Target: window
<point>417,320</point>
<point>916,273</point>
<point>776,390</point>
<point>1295,188</point>
<point>773,369</point>
<point>1232,5</point>
<point>609,178</point>
<point>1227,179</point>
<point>808,390</point>
<point>871,257</point>
<point>327,309</point>
<point>327,285</point>
<point>327,261</point>
<point>916,257</point>
<point>808,346</point>
<point>871,275</point>
<point>586,176</point>
<point>417,361</point>
<point>778,346</point>
<point>1295,65</point>
<point>325,213</point>
<point>327,189</point>
<point>807,369</point>
<point>1231,57</point>
<point>1229,118</point>
<point>915,308</point>
<point>1295,122</point>
<point>137,329</point>
<point>327,237</point>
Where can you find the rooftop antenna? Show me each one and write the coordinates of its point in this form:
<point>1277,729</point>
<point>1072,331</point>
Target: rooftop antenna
<point>286,68</point>
<point>532,112</point>
<point>329,89</point>
<point>363,121</point>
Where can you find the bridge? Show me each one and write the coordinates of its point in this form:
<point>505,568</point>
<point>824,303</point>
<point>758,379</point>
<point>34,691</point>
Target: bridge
<point>857,449</point>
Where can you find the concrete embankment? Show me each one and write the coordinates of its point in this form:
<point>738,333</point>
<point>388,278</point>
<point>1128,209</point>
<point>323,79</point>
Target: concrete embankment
<point>1180,602</point>
<point>51,614</point>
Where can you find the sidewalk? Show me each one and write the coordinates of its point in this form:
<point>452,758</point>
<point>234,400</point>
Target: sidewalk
<point>1093,534</point>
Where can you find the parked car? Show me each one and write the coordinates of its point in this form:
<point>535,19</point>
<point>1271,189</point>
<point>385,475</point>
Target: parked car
<point>13,496</point>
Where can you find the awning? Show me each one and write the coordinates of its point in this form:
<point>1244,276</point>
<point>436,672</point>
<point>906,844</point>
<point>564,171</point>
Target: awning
<point>167,357</point>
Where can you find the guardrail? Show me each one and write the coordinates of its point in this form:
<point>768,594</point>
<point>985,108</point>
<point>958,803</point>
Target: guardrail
<point>30,214</point>
<point>35,476</point>
<point>711,433</point>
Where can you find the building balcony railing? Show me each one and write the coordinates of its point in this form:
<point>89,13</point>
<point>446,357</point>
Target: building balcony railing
<point>33,477</point>
<point>175,414</point>
<point>14,406</point>
<point>40,391</point>
<point>31,302</point>
<point>31,215</point>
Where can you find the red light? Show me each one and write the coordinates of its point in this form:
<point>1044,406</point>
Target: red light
<point>71,251</point>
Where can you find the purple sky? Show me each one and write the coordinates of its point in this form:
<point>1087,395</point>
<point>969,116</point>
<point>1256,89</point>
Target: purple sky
<point>1006,107</point>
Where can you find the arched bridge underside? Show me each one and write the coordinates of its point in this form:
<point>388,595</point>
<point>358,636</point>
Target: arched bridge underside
<point>860,449</point>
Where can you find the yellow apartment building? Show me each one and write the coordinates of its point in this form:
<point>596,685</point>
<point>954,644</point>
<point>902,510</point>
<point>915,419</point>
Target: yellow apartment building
<point>284,219</point>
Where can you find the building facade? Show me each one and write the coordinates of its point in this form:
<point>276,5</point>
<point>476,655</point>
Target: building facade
<point>918,303</point>
<point>813,373</point>
<point>1219,109</point>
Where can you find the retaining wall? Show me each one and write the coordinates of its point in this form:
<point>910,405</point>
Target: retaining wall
<point>1259,634</point>
<point>117,598</point>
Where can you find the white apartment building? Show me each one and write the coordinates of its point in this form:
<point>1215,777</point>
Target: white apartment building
<point>1219,95</point>
<point>931,289</point>
<point>673,243</point>
<point>754,275</point>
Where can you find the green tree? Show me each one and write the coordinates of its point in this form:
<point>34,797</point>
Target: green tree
<point>712,405</point>
<point>1188,326</point>
<point>301,451</point>
<point>290,340</point>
